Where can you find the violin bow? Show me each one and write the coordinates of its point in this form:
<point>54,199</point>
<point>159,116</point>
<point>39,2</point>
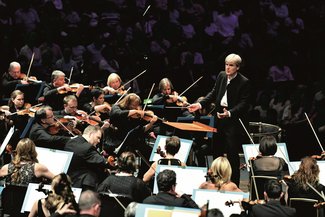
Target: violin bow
<point>64,126</point>
<point>117,200</point>
<point>133,78</point>
<point>69,79</point>
<point>119,99</point>
<point>250,162</point>
<point>30,64</point>
<point>191,86</point>
<point>311,126</point>
<point>144,13</point>
<point>145,105</point>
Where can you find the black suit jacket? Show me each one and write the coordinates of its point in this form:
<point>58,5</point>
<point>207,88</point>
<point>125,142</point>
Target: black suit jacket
<point>272,209</point>
<point>87,165</point>
<point>42,138</point>
<point>238,93</point>
<point>164,198</point>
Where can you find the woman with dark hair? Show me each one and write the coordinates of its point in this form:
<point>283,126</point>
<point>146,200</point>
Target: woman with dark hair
<point>266,164</point>
<point>97,105</point>
<point>61,194</point>
<point>124,182</point>
<point>24,168</point>
<point>172,147</point>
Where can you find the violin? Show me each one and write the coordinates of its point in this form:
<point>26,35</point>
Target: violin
<point>245,203</point>
<point>160,152</point>
<point>73,88</point>
<point>65,125</point>
<point>30,79</point>
<point>319,157</point>
<point>28,110</point>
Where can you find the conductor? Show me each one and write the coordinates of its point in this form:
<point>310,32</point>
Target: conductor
<point>231,94</point>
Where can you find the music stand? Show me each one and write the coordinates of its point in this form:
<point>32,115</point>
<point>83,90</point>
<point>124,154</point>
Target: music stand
<point>217,199</point>
<point>149,210</point>
<point>195,126</point>
<point>182,154</point>
<point>196,175</point>
<point>33,195</point>
<point>7,139</point>
<point>62,159</point>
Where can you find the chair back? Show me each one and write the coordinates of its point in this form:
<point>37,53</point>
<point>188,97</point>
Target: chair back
<point>113,206</point>
<point>304,205</point>
<point>260,182</point>
<point>12,198</point>
<point>169,162</point>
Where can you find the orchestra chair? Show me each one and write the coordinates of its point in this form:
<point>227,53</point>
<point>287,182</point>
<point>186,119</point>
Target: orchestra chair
<point>260,182</point>
<point>111,206</point>
<point>12,198</point>
<point>169,162</point>
<point>305,205</point>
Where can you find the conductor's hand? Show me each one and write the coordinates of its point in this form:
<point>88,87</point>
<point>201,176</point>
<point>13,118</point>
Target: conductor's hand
<point>193,107</point>
<point>223,115</point>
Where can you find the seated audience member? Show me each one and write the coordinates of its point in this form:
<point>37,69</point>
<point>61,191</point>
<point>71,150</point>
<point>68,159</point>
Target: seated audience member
<point>172,147</point>
<point>167,195</point>
<point>24,168</point>
<point>266,164</point>
<point>272,207</point>
<point>44,131</point>
<point>124,182</point>
<point>87,167</point>
<point>307,174</point>
<point>59,195</point>
<point>220,176</point>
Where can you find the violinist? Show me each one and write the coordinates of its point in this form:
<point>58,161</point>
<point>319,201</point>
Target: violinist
<point>307,174</point>
<point>124,182</point>
<point>114,84</point>
<point>169,97</point>
<point>79,118</point>
<point>98,104</point>
<point>57,90</point>
<point>17,108</point>
<point>127,116</point>
<point>87,165</point>
<point>266,164</point>
<point>220,176</point>
<point>273,207</point>
<point>172,147</point>
<point>11,78</point>
<point>40,131</point>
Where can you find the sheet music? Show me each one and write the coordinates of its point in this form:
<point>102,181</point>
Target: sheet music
<point>251,150</point>
<point>56,161</point>
<point>148,210</point>
<point>217,199</point>
<point>187,178</point>
<point>182,154</point>
<point>321,165</point>
<point>7,139</point>
<point>32,195</point>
